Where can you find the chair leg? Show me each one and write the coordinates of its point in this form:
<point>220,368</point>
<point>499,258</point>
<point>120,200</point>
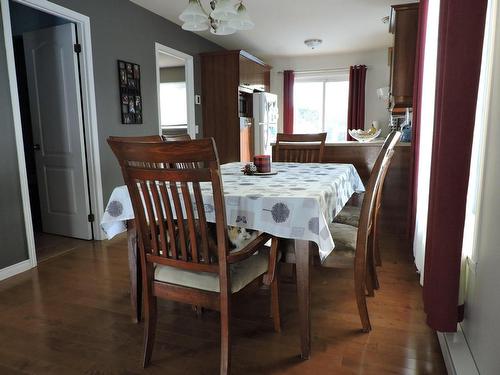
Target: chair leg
<point>369,281</point>
<point>294,273</point>
<point>359,290</point>
<point>376,284</point>
<point>376,247</point>
<point>149,328</point>
<point>225,336</point>
<point>275,304</point>
<point>372,260</point>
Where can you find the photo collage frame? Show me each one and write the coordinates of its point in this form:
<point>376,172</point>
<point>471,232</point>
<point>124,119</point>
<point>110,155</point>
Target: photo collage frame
<point>129,75</point>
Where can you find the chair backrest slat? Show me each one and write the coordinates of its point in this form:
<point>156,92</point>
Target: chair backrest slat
<point>169,221</point>
<point>165,182</point>
<point>188,205</point>
<point>145,188</point>
<point>300,148</point>
<point>159,223</point>
<point>180,222</point>
<point>204,241</point>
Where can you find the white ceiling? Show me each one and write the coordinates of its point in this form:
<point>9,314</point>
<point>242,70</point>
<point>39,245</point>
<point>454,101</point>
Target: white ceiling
<point>281,26</point>
<point>168,61</point>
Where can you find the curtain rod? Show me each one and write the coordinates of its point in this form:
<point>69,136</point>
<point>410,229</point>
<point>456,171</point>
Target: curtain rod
<point>320,70</point>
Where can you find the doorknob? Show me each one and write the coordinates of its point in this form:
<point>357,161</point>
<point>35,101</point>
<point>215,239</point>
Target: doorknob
<point>36,147</point>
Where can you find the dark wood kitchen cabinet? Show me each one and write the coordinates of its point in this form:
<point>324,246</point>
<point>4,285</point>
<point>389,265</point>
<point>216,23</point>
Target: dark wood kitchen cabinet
<point>228,80</point>
<point>404,26</point>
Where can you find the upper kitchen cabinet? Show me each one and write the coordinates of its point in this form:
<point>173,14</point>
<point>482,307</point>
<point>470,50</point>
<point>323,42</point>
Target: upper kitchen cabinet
<point>404,26</point>
<point>254,73</point>
<point>228,79</point>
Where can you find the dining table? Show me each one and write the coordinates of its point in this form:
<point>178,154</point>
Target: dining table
<point>296,201</point>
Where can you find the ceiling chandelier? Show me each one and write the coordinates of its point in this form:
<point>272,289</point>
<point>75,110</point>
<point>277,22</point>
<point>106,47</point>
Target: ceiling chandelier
<point>225,17</point>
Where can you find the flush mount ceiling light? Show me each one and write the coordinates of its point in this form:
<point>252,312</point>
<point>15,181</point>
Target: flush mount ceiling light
<point>226,17</point>
<point>313,43</point>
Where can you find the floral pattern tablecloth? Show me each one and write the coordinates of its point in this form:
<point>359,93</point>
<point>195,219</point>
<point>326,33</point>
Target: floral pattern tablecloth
<point>297,203</point>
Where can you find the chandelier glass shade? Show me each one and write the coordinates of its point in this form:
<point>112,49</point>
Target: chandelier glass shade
<point>242,20</point>
<point>193,26</point>
<point>226,17</point>
<point>194,13</point>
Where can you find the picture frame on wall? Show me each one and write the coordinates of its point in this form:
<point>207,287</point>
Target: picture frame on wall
<point>129,77</point>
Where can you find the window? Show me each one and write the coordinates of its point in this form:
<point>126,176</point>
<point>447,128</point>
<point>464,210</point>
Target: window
<point>173,104</point>
<point>320,105</point>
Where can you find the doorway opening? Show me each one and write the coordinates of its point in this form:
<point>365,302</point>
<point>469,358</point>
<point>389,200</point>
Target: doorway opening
<point>45,49</point>
<point>175,85</point>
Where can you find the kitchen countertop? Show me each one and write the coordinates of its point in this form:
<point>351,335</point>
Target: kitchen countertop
<point>376,142</point>
<point>364,144</point>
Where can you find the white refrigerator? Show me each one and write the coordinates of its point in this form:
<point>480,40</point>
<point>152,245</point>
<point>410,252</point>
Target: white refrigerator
<point>265,114</point>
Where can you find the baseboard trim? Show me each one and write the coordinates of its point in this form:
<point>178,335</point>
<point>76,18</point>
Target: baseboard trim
<point>15,269</point>
<point>456,353</point>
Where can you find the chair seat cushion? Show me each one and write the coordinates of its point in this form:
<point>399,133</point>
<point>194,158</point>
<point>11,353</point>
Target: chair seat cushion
<point>352,211</point>
<point>241,274</point>
<point>344,237</point>
<point>349,216</point>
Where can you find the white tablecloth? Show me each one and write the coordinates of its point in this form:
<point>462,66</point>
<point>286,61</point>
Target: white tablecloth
<point>297,203</point>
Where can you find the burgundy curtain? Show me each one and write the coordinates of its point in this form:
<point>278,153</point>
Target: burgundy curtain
<point>417,105</point>
<point>288,81</point>
<point>460,42</point>
<point>356,108</point>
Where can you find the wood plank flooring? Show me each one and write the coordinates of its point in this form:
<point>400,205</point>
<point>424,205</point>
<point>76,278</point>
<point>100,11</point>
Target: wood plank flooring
<point>49,245</point>
<point>71,316</point>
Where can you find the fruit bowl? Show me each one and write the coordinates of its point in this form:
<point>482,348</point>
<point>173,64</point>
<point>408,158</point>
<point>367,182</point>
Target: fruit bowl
<point>364,135</point>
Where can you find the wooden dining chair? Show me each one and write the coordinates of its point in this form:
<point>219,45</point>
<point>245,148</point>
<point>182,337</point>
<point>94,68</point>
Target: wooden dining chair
<point>352,244</point>
<point>299,148</point>
<point>177,137</point>
<point>179,259</point>
<point>350,214</point>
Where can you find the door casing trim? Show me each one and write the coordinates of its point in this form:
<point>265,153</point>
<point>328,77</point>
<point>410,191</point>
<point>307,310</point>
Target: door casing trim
<point>189,74</point>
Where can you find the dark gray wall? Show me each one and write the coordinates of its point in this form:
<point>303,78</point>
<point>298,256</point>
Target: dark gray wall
<point>174,74</point>
<point>123,30</point>
<point>13,247</point>
<point>120,30</point>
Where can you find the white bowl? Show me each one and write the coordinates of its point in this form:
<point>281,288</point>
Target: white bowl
<point>363,135</point>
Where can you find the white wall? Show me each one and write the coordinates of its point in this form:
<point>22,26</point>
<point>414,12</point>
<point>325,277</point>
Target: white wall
<point>377,76</point>
<point>481,325</point>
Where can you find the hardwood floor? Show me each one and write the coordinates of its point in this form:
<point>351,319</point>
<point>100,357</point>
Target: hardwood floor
<point>49,245</point>
<point>71,316</point>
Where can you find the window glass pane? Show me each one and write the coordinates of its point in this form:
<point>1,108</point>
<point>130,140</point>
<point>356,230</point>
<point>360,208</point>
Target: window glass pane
<point>173,103</point>
<point>336,101</point>
<point>308,107</point>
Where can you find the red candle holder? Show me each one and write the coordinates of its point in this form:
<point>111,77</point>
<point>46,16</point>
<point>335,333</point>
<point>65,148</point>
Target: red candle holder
<point>263,163</point>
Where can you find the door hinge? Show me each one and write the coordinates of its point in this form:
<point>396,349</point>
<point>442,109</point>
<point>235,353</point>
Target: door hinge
<point>91,218</point>
<point>77,47</point>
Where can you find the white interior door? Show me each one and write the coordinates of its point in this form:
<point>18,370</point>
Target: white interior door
<point>55,104</point>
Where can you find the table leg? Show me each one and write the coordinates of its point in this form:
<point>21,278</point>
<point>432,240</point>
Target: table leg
<point>303,270</point>
<point>135,272</point>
